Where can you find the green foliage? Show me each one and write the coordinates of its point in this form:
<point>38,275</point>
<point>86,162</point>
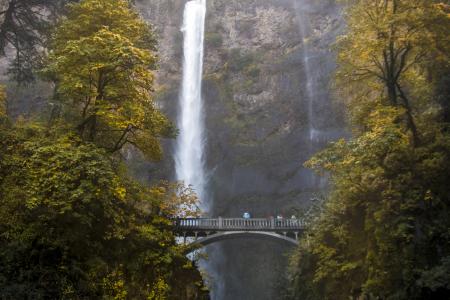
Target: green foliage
<point>238,61</point>
<point>213,39</point>
<point>100,59</point>
<point>384,228</point>
<point>385,56</point>
<point>252,71</point>
<point>383,232</point>
<point>73,226</point>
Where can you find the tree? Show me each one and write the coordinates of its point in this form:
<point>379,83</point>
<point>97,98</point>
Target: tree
<point>73,226</point>
<point>101,58</point>
<point>24,25</point>
<point>384,227</point>
<point>383,231</point>
<point>385,55</point>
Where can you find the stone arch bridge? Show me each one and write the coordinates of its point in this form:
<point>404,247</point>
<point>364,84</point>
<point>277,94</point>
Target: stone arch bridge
<point>205,231</point>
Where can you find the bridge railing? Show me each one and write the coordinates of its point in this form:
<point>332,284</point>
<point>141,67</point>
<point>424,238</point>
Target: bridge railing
<point>239,224</point>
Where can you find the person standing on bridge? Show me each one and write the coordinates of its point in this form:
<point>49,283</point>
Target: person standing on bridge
<point>246,215</point>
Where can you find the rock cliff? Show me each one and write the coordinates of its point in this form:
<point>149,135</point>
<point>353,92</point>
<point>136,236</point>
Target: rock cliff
<point>260,56</point>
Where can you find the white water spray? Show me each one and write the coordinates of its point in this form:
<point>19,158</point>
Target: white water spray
<point>189,153</point>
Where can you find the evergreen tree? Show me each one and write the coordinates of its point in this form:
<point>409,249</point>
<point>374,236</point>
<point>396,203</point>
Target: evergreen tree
<point>24,25</point>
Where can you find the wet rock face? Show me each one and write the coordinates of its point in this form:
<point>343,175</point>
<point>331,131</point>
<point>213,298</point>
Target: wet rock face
<point>257,121</point>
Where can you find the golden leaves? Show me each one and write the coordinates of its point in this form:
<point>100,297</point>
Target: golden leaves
<point>104,68</point>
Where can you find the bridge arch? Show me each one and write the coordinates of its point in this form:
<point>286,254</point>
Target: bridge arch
<point>227,235</point>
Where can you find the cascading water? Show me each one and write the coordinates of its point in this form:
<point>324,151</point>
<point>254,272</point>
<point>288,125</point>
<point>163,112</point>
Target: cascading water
<point>317,67</point>
<point>314,91</point>
<point>189,152</point>
<point>310,82</point>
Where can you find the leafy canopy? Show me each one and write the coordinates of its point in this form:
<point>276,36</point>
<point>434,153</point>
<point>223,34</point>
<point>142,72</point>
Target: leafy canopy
<point>384,57</point>
<point>101,59</point>
<point>73,225</point>
<point>382,232</point>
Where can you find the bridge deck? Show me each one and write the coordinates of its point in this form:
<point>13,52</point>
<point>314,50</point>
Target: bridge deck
<point>239,224</point>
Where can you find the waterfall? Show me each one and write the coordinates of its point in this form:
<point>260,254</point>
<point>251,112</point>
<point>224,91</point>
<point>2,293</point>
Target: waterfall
<point>310,81</point>
<point>312,78</point>
<point>189,152</point>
